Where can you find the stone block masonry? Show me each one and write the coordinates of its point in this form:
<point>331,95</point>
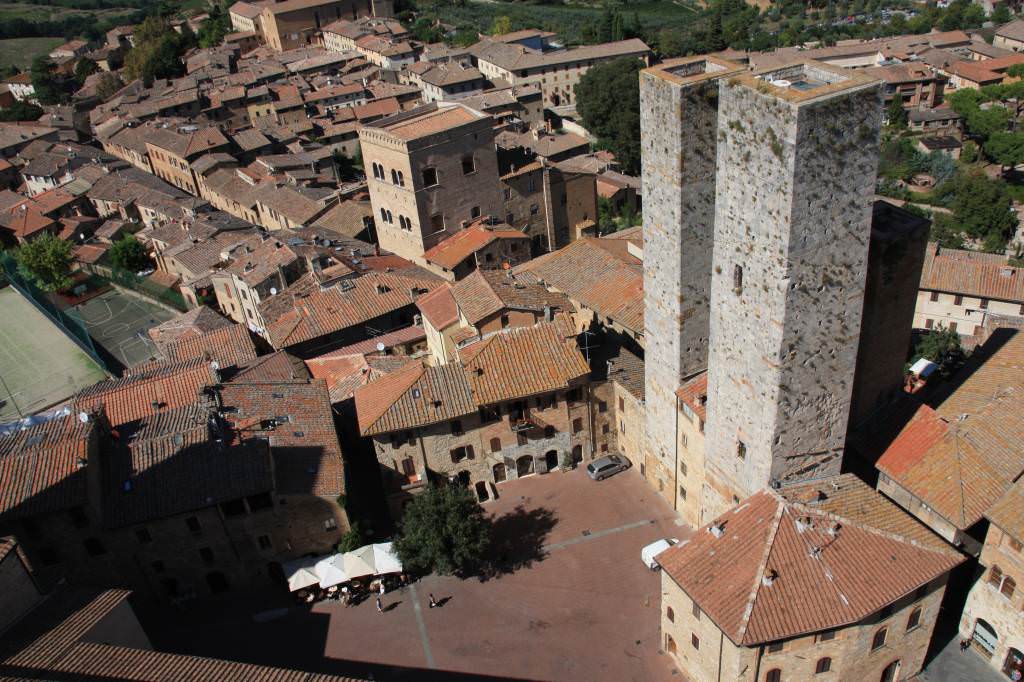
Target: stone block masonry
<point>797,156</point>
<point>679,120</point>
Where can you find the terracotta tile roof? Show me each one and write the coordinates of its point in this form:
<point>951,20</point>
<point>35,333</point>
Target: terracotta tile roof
<point>228,346</point>
<point>1008,511</point>
<point>398,337</point>
<point>278,366</point>
<point>428,120</point>
<point>486,292</point>
<point>464,243</point>
<point>345,373</point>
<point>307,454</point>
<point>41,466</point>
<point>168,385</point>
<point>962,455</point>
<point>89,253</point>
<point>694,392</point>
<point>1013,30</point>
<point>194,323</point>
<point>181,460</point>
<point>347,217</point>
<point>316,312</point>
<point>598,273</point>
<point>525,361</point>
<point>439,308</point>
<point>817,579</point>
<point>971,274</point>
<point>627,370</point>
<point>413,396</point>
<point>513,57</point>
<point>56,644</point>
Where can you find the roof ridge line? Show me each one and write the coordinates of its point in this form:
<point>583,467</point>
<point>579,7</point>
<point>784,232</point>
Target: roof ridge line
<point>752,598</point>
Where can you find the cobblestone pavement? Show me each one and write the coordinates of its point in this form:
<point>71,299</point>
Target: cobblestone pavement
<point>574,603</point>
<point>953,665</point>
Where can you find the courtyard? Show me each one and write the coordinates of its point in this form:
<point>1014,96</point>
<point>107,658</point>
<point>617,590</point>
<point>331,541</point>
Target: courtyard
<point>571,599</point>
<point>118,323</point>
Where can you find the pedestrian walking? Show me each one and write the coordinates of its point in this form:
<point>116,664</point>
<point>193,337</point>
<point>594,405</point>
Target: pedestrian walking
<point>382,588</point>
<point>380,607</point>
<point>432,602</point>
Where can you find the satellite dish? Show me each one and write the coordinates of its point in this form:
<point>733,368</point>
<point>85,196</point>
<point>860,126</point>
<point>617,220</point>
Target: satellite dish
<point>380,347</point>
<point>273,291</point>
<point>214,365</point>
<point>83,417</point>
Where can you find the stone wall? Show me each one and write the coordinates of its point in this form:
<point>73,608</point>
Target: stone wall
<point>793,214</point>
<point>679,121</point>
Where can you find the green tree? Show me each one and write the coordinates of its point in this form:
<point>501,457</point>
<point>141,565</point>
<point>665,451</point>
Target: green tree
<point>109,84</point>
<point>157,52</point>
<point>1005,148</point>
<point>941,346</point>
<point>443,530</point>
<point>502,24</point>
<point>608,102</point>
<point>969,153</point>
<point>355,538</point>
<point>128,253</point>
<point>981,209</point>
<point>49,87</point>
<point>84,68</point>
<point>217,25</point>
<point>47,260</point>
<point>21,111</point>
<point>1001,14</point>
<point>895,114</point>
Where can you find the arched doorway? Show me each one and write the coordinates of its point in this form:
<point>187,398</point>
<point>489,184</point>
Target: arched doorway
<point>499,472</point>
<point>1014,662</point>
<point>462,478</point>
<point>577,454</point>
<point>551,459</point>
<point>985,635</point>
<point>481,491</point>
<point>524,466</point>
<point>891,672</point>
<point>217,582</point>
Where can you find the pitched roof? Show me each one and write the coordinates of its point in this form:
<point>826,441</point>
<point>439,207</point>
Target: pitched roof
<point>41,466</point>
<point>427,120</point>
<point>228,346</point>
<point>180,460</point>
<point>438,307</point>
<point>960,456</point>
<point>157,387</point>
<point>627,370</point>
<point>1013,30</point>
<point>398,337</point>
<point>971,273</point>
<point>780,567</point>
<point>464,243</point>
<point>194,323</point>
<point>312,311</point>
<point>486,292</point>
<point>599,273</point>
<point>273,367</point>
<point>694,392</point>
<point>305,447</point>
<point>344,373</point>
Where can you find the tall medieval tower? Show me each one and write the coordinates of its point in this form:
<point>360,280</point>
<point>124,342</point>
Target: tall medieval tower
<point>797,159</point>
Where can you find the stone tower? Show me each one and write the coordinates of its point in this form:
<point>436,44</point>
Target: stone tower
<point>679,124</point>
<point>797,158</point>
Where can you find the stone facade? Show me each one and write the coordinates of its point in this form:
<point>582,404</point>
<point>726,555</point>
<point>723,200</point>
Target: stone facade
<point>552,206</point>
<point>703,652</point>
<point>484,449</point>
<point>997,599</point>
<point>679,124</point>
<point>426,189</point>
<point>796,173</point>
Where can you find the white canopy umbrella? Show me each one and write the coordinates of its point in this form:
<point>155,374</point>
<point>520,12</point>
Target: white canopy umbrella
<point>384,558</point>
<point>301,573</point>
<point>359,562</point>
<point>331,570</point>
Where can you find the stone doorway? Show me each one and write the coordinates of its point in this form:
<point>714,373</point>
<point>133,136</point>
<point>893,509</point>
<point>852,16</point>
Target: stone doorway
<point>551,459</point>
<point>481,491</point>
<point>524,466</point>
<point>499,472</point>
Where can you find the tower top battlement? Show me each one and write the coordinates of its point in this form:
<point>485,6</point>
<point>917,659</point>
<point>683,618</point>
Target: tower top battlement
<point>688,70</point>
<point>804,82</point>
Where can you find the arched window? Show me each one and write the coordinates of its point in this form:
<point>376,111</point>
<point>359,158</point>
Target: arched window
<point>773,675</point>
<point>401,179</point>
<point>391,219</point>
<point>1009,584</point>
<point>378,171</point>
<point>394,177</point>
<point>878,641</point>
<point>914,619</point>
<point>670,614</point>
<point>823,665</point>
<point>383,215</point>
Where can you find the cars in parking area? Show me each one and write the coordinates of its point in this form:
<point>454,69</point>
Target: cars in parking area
<point>606,466</point>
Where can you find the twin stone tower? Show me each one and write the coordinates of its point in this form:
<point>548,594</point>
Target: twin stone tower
<point>758,194</point>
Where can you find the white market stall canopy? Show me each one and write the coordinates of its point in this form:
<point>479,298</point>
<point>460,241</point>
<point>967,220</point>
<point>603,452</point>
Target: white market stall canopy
<point>301,573</point>
<point>378,559</point>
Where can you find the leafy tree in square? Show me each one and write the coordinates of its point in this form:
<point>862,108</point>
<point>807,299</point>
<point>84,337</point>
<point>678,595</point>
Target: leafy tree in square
<point>46,260</point>
<point>443,530</point>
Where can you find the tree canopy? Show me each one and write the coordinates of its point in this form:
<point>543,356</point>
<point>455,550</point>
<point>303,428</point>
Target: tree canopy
<point>608,102</point>
<point>109,84</point>
<point>128,253</point>
<point>443,530</point>
<point>21,111</point>
<point>157,52</point>
<point>50,87</point>
<point>46,260</point>
<point>981,209</point>
<point>213,30</point>
<point>941,346</point>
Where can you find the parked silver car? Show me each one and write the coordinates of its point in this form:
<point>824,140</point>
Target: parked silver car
<point>603,467</point>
